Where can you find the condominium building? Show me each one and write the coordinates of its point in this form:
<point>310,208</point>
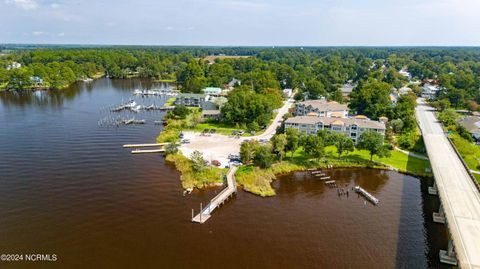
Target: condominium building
<point>321,108</point>
<point>351,127</point>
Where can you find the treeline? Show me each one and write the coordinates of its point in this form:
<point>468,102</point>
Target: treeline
<point>264,155</point>
<point>313,71</point>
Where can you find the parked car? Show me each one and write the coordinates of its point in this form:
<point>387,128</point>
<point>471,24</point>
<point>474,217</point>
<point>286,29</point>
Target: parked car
<point>216,163</point>
<point>236,163</point>
<point>181,135</point>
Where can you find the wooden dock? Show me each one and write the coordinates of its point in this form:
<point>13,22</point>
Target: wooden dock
<point>219,199</point>
<point>367,195</point>
<point>144,145</point>
<point>140,151</point>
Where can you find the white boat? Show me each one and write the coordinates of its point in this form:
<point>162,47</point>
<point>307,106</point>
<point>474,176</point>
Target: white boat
<point>136,109</point>
<point>88,80</point>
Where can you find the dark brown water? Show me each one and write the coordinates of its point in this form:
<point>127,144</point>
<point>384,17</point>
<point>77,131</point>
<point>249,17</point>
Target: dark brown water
<point>67,187</point>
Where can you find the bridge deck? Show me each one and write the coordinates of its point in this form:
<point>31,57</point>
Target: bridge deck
<point>458,194</point>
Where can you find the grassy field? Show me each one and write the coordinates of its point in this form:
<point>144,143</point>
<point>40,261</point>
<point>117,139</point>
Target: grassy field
<point>170,101</point>
<point>258,181</point>
<point>210,176</point>
<point>469,152</point>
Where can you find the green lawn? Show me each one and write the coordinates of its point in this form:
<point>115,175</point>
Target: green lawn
<point>469,152</point>
<point>258,181</point>
<point>170,101</point>
<point>398,160</point>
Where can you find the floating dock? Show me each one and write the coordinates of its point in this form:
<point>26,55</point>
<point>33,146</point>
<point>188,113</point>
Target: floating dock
<point>367,195</point>
<point>219,199</point>
<point>140,151</point>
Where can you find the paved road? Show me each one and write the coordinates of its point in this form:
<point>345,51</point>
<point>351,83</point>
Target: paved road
<point>218,147</point>
<point>458,194</point>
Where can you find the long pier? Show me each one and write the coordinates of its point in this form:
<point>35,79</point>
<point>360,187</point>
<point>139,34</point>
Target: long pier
<point>140,151</point>
<point>219,199</point>
<point>144,145</point>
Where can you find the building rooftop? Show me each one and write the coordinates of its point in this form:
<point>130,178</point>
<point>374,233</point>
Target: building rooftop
<point>212,89</point>
<point>363,123</point>
<point>471,123</point>
<point>191,95</point>
<point>324,105</point>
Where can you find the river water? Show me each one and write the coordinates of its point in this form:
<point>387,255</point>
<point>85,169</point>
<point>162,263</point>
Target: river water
<point>67,187</point>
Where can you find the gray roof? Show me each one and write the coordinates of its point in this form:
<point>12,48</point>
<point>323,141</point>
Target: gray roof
<point>211,112</point>
<point>471,123</point>
<point>191,95</point>
<point>323,105</point>
<point>363,123</point>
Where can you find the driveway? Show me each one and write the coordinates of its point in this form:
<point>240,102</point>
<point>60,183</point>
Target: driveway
<point>218,147</point>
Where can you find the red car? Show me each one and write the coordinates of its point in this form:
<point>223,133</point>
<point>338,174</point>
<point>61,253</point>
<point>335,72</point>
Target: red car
<point>216,163</point>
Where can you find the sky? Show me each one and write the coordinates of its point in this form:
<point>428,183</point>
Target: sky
<point>242,22</point>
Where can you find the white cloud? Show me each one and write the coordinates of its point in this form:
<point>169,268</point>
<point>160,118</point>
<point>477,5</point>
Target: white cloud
<point>55,5</point>
<point>61,34</point>
<point>38,33</point>
<point>23,4</point>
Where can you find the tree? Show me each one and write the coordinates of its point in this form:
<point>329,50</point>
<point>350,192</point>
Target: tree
<point>292,139</point>
<point>373,142</point>
<point>314,146</point>
<point>247,151</point>
<point>171,148</point>
<point>343,143</point>
<point>279,143</point>
<point>195,117</point>
<point>263,157</point>
<point>397,125</point>
<point>372,99</point>
<point>314,88</point>
<point>180,111</point>
<point>198,162</point>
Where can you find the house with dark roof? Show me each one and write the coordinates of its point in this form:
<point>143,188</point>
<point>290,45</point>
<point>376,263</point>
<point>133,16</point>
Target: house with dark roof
<point>351,127</point>
<point>190,99</point>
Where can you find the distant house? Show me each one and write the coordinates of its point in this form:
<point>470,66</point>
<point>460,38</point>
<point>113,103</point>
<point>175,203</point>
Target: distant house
<point>347,88</point>
<point>191,99</point>
<point>14,65</point>
<point>234,82</point>
<point>404,90</point>
<point>404,72</point>
<point>287,93</point>
<point>36,80</point>
<point>394,98</point>
<point>321,108</point>
<point>351,127</point>
<point>430,91</point>
<point>212,114</point>
<point>210,110</point>
<point>472,124</point>
<point>213,91</point>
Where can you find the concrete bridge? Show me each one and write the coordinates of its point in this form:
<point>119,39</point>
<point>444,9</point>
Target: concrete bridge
<point>458,194</point>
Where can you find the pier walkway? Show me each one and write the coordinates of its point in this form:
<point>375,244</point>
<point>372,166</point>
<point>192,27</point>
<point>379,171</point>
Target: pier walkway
<point>220,198</point>
<point>459,197</point>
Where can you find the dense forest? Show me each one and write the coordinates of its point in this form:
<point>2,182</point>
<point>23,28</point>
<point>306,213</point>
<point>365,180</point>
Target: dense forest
<point>313,71</point>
